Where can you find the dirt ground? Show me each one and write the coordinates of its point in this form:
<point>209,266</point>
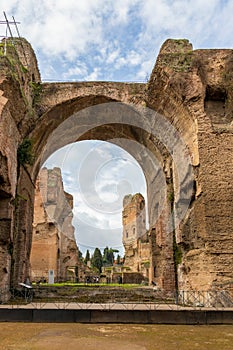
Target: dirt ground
<point>36,336</point>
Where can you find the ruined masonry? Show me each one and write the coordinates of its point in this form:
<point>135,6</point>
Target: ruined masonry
<point>136,239</point>
<point>53,242</point>
<point>190,209</point>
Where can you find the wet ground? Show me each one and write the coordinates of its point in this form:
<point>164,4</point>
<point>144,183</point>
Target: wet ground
<point>40,336</point>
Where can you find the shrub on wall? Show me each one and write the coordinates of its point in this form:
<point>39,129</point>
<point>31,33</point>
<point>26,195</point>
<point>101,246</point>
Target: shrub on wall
<point>24,153</point>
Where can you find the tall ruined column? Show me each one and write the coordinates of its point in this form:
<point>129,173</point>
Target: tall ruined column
<point>136,238</point>
<point>24,206</point>
<point>53,246</point>
<point>6,211</point>
<point>134,227</point>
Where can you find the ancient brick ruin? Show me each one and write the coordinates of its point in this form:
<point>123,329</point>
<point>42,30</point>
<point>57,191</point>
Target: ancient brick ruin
<point>178,126</point>
<point>136,238</point>
<point>53,242</point>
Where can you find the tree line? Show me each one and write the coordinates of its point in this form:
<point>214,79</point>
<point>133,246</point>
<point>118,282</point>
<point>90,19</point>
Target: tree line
<point>98,260</point>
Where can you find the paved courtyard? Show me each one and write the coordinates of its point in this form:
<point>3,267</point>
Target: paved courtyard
<point>40,336</point>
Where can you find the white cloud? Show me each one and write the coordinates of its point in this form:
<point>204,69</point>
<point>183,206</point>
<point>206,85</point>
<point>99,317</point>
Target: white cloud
<point>112,56</point>
<point>121,9</point>
<point>115,39</point>
<point>79,70</point>
<point>94,75</point>
<point>132,58</point>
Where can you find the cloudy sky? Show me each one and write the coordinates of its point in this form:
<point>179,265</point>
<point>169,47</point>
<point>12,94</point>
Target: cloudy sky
<point>98,174</point>
<point>115,40</point>
<point>109,40</point>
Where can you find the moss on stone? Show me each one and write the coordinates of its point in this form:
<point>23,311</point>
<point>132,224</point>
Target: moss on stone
<point>178,62</point>
<point>36,92</point>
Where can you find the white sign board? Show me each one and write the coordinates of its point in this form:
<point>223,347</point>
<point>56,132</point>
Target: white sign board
<point>51,277</point>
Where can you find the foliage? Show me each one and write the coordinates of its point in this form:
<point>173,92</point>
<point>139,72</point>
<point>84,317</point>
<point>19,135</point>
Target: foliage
<point>36,89</point>
<point>177,252</point>
<point>24,153</point>
<point>97,259</point>
<point>87,257</point>
<point>89,285</point>
<point>80,255</point>
<point>178,61</point>
<point>108,256</point>
<point>118,259</point>
<point>146,264</point>
<point>171,196</point>
<point>23,69</point>
<point>9,46</point>
<point>10,248</point>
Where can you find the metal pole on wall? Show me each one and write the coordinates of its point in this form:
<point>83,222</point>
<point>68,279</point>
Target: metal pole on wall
<point>5,43</point>
<point>15,23</point>
<point>8,25</point>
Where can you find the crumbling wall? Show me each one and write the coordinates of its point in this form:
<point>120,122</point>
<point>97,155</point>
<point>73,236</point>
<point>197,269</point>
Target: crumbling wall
<point>16,202</point>
<point>193,89</point>
<point>135,236</point>
<point>53,244</point>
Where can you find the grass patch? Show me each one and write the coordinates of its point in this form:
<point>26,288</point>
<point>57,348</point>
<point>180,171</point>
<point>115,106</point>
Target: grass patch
<point>88,285</point>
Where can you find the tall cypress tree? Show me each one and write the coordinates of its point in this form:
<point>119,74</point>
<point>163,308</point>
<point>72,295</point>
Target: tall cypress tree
<point>87,257</point>
<point>97,259</point>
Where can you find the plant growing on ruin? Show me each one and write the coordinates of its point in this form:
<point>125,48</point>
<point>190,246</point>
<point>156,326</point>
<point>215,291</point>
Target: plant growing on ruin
<point>24,153</point>
<point>36,92</point>
<point>177,253</point>
<point>171,196</point>
<point>10,248</point>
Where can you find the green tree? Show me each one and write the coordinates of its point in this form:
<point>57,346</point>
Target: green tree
<point>108,256</point>
<point>111,256</point>
<point>97,259</point>
<point>105,256</point>
<point>118,259</point>
<point>87,257</point>
<point>80,255</point>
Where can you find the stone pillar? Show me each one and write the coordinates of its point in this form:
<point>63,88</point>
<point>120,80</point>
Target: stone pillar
<point>24,206</point>
<point>5,242</point>
<point>164,270</point>
<point>54,246</point>
<point>134,228</point>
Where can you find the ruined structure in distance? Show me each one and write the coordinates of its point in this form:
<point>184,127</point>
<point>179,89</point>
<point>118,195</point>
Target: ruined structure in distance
<point>136,239</point>
<point>53,245</point>
<point>183,118</point>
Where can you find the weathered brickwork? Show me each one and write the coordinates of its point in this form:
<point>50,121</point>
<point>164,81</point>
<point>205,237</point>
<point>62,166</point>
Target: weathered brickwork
<point>193,91</point>
<point>135,236</point>
<point>53,245</point>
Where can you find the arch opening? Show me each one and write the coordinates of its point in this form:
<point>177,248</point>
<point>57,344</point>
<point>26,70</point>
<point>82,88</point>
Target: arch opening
<point>159,150</point>
<point>98,175</point>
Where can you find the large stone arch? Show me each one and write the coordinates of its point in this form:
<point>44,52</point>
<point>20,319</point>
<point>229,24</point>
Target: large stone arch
<point>148,136</point>
<point>191,91</point>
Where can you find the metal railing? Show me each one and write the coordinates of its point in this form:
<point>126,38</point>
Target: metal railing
<point>207,299</point>
<point>148,299</point>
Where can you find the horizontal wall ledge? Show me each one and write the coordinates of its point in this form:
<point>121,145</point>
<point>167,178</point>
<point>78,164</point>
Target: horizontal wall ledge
<point>186,317</point>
